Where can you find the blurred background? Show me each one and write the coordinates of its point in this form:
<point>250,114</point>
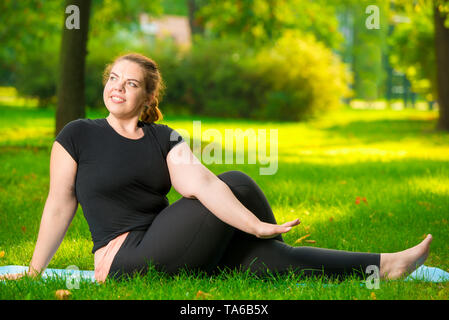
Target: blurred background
<point>264,59</point>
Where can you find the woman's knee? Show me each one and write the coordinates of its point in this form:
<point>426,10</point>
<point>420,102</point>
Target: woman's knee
<point>236,178</point>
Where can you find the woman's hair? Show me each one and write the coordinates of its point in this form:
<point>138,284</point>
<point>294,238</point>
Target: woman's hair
<point>153,83</point>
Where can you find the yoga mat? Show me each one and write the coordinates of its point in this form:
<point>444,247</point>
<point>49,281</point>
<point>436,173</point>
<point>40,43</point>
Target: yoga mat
<point>423,273</point>
<point>48,273</point>
<point>428,274</point>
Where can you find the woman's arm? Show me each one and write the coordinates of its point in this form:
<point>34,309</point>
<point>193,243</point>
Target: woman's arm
<point>59,209</point>
<point>193,180</point>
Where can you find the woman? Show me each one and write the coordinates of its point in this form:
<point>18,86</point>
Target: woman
<point>120,169</point>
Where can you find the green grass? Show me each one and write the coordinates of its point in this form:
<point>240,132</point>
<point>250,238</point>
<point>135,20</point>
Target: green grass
<point>392,158</point>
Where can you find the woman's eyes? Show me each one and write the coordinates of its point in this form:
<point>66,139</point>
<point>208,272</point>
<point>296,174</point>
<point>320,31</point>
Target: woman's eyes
<point>131,83</point>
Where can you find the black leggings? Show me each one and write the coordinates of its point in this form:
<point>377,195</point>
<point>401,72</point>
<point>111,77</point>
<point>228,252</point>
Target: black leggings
<point>187,235</point>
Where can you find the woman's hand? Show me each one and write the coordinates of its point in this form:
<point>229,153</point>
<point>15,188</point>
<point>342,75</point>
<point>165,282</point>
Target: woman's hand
<point>268,230</point>
<point>15,276</point>
<point>12,276</point>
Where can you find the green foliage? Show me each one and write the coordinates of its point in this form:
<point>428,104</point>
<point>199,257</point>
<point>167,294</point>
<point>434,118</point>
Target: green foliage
<point>298,77</point>
<point>412,44</point>
<point>261,21</point>
<point>31,64</point>
<point>37,75</point>
<point>30,43</point>
<point>174,7</point>
<point>369,47</point>
<point>227,78</point>
<point>210,78</point>
<point>120,12</point>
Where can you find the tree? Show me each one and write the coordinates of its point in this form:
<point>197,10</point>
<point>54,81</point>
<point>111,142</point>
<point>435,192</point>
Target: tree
<point>195,23</point>
<point>412,42</point>
<point>71,99</point>
<point>421,50</point>
<point>260,21</point>
<point>71,85</point>
<point>441,20</point>
<point>367,48</point>
<point>29,31</point>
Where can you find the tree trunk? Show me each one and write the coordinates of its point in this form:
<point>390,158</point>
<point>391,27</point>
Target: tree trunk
<point>71,99</point>
<point>195,25</point>
<point>442,64</point>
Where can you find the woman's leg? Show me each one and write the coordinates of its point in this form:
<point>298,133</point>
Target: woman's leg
<point>187,234</point>
<point>268,256</point>
<point>273,255</point>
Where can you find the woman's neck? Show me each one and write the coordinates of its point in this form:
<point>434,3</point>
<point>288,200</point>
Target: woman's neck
<point>128,125</point>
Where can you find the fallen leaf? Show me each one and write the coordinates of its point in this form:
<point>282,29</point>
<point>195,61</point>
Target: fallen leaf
<point>302,238</point>
<point>203,295</point>
<point>2,254</point>
<point>310,241</point>
<point>425,204</point>
<point>373,296</point>
<point>62,294</point>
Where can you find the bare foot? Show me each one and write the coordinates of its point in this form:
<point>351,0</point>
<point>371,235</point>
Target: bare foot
<point>398,264</point>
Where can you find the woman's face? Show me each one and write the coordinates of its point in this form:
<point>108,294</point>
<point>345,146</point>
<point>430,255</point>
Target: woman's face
<point>124,94</point>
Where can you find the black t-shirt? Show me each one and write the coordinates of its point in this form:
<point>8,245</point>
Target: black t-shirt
<point>121,183</point>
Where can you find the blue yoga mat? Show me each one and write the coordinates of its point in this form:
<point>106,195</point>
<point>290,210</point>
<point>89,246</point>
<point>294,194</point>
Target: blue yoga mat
<point>423,273</point>
<point>428,274</point>
<point>56,273</point>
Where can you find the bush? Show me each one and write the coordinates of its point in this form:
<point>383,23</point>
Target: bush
<point>298,78</point>
<point>206,79</point>
<point>293,79</point>
<point>36,77</point>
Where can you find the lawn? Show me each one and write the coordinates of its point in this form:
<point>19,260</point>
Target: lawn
<point>359,180</point>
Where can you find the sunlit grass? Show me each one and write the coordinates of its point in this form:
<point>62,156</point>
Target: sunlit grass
<point>394,160</point>
<point>10,97</point>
